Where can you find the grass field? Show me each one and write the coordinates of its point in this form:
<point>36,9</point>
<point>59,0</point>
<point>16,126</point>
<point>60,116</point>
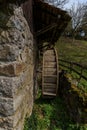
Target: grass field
<point>75,51</point>
<point>51,114</point>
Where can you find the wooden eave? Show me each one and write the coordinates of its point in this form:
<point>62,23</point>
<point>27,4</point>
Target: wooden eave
<point>49,21</point>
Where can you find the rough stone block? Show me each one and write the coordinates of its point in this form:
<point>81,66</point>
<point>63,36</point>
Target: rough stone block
<point>20,125</point>
<point>25,94</point>
<point>18,100</point>
<point>23,80</point>
<point>12,69</point>
<point>6,106</point>
<point>6,87</point>
<point>7,69</point>
<point>6,123</point>
<point>19,114</point>
<point>23,103</point>
<point>10,86</point>
<point>20,67</point>
<point>9,53</point>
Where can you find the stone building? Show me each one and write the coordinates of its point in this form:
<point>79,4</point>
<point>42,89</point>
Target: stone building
<point>20,41</point>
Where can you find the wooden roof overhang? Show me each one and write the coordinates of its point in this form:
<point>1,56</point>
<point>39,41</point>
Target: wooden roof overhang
<point>49,22</point>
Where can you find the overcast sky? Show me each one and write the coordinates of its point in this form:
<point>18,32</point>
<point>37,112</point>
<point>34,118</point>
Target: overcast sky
<point>75,1</point>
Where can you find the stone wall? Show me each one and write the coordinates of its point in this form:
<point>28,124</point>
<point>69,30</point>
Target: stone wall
<point>16,68</point>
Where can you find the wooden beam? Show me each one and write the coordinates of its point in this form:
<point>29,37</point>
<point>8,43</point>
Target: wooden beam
<point>45,29</point>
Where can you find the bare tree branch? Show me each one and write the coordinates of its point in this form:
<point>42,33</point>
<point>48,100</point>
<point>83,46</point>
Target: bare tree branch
<point>78,13</point>
<point>57,3</point>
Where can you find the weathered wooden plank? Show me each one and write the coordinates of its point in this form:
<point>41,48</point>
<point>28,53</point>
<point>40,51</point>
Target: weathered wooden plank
<point>50,64</point>
<point>49,52</point>
<point>49,94</point>
<point>48,90</point>
<point>50,80</point>
<point>49,87</point>
<point>49,58</point>
<point>45,29</point>
<point>50,70</point>
<point>49,74</point>
<point>57,70</point>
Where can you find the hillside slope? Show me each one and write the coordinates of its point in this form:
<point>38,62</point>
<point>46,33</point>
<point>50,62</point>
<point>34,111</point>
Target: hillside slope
<point>75,51</point>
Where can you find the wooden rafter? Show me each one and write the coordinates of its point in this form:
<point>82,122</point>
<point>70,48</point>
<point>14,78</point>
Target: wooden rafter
<point>49,24</point>
<point>47,28</point>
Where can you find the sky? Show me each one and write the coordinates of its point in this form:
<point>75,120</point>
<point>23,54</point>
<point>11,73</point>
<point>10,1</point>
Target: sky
<point>74,1</point>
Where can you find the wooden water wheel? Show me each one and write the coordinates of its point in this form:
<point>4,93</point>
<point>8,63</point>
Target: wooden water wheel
<point>50,73</point>
<point>48,27</point>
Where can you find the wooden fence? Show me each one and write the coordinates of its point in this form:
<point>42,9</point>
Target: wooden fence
<point>79,69</point>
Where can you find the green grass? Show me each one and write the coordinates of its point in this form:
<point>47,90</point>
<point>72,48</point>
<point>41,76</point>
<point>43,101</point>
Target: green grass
<point>51,115</point>
<point>76,52</point>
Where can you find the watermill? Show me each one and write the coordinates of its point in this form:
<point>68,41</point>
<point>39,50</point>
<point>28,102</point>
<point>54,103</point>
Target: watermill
<point>50,23</point>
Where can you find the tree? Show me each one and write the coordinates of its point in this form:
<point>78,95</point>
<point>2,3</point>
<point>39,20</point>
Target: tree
<point>57,3</point>
<point>84,24</point>
<point>77,13</point>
